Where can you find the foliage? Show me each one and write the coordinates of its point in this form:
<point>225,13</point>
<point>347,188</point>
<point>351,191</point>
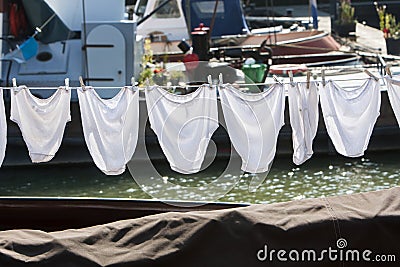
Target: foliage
<point>346,13</point>
<point>387,23</point>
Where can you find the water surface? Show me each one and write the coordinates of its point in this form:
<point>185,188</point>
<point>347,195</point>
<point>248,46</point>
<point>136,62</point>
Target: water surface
<point>320,176</point>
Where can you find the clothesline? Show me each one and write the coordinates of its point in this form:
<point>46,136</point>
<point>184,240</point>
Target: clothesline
<point>140,88</point>
<point>143,88</point>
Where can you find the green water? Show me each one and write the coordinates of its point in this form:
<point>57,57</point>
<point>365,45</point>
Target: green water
<point>320,176</point>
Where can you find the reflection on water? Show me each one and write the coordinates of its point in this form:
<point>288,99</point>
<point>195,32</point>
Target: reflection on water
<point>320,176</point>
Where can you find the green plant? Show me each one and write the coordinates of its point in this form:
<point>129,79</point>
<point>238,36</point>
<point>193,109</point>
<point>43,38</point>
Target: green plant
<point>147,73</point>
<point>346,13</point>
<point>387,23</point>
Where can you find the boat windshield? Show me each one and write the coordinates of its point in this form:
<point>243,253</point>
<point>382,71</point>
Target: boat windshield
<point>170,10</point>
<point>206,9</point>
<point>141,8</point>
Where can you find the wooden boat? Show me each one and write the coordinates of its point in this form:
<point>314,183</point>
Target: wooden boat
<point>226,33</point>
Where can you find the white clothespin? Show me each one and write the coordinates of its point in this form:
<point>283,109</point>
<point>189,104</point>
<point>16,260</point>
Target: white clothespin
<point>308,79</point>
<point>291,77</point>
<point>276,79</point>
<point>388,71</point>
<point>371,75</point>
<point>14,82</point>
<point>221,81</point>
<point>66,82</point>
<point>147,83</point>
<point>323,77</point>
<point>83,86</point>
<point>133,83</point>
<point>209,80</point>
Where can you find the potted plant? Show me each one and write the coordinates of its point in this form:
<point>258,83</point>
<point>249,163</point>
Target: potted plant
<point>346,23</point>
<point>390,29</point>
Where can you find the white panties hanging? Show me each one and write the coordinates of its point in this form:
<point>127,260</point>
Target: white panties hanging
<point>110,127</point>
<point>41,121</point>
<point>350,115</point>
<point>303,110</point>
<point>3,128</point>
<point>183,124</point>
<point>393,89</point>
<point>253,122</point>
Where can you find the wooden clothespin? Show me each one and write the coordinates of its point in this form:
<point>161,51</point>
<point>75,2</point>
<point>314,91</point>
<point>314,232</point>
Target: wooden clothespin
<point>308,79</point>
<point>291,77</point>
<point>388,71</point>
<point>14,82</point>
<point>323,77</point>
<point>371,75</point>
<point>209,80</point>
<point>66,82</point>
<point>276,79</point>
<point>83,86</point>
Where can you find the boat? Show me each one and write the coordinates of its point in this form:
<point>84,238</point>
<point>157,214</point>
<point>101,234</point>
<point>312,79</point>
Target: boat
<point>229,31</point>
<point>354,229</point>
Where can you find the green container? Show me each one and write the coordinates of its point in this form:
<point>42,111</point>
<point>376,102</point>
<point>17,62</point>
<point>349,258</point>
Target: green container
<point>254,72</point>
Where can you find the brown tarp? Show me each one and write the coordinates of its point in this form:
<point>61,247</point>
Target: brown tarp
<point>231,237</point>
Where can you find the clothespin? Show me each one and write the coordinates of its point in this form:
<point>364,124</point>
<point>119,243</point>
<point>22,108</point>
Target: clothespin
<point>371,75</point>
<point>388,71</point>
<point>221,81</point>
<point>291,77</point>
<point>147,83</point>
<point>308,79</point>
<point>209,79</point>
<point>276,79</point>
<point>66,81</point>
<point>323,77</point>
<point>133,81</point>
<point>83,86</point>
<point>14,82</point>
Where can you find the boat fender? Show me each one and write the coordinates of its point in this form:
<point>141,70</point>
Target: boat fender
<point>191,61</point>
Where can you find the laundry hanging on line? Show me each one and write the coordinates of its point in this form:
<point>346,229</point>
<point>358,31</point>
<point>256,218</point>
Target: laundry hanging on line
<point>183,124</point>
<point>350,115</point>
<point>393,89</point>
<point>303,101</point>
<point>41,121</point>
<point>253,122</point>
<point>330,96</point>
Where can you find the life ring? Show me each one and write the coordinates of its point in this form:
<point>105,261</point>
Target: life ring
<point>283,69</point>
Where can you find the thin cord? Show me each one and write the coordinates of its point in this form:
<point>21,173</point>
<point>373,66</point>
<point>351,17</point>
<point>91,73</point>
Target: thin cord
<point>191,86</point>
<point>84,39</point>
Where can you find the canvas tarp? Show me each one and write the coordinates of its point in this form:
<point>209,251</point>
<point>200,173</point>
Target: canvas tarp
<point>231,237</point>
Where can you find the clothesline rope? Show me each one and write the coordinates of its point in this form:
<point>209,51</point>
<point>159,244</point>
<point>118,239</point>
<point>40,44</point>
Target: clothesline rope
<point>142,88</point>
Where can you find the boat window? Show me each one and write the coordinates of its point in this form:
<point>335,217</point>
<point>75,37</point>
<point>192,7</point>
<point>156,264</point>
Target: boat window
<point>170,10</point>
<point>206,9</point>
<point>141,8</point>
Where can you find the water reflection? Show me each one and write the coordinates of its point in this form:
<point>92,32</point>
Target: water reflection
<point>320,176</point>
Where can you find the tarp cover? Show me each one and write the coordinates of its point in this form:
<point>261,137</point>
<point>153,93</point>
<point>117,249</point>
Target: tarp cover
<point>232,237</point>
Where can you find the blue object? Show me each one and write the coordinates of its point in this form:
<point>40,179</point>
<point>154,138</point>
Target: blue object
<point>29,48</point>
<point>229,18</point>
<point>314,13</point>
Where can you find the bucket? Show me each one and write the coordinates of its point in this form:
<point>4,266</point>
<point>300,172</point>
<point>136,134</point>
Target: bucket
<point>254,72</point>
